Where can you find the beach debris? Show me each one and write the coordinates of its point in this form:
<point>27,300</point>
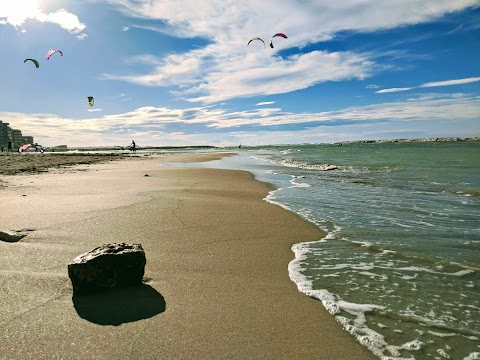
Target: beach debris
<point>106,267</point>
<point>146,175</point>
<point>11,236</point>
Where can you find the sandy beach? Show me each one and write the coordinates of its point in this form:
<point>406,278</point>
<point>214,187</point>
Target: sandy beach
<point>216,278</point>
<point>14,163</point>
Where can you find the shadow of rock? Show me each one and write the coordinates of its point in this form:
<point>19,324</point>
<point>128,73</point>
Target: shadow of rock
<point>119,306</point>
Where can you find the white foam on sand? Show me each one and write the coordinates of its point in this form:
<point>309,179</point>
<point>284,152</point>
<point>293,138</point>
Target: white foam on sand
<point>371,339</point>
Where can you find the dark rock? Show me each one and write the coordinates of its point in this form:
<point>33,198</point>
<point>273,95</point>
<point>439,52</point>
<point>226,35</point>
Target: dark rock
<point>147,175</point>
<point>10,236</point>
<point>106,267</point>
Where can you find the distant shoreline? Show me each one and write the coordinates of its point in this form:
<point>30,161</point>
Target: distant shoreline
<point>126,148</point>
<point>85,149</point>
<point>432,139</point>
<point>212,147</point>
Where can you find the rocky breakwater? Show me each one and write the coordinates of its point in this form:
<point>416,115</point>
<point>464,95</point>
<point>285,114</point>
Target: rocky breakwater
<point>433,139</point>
<point>106,267</point>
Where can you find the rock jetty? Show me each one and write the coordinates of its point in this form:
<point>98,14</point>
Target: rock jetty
<point>433,139</point>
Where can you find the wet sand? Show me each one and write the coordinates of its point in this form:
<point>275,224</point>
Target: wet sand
<point>216,279</point>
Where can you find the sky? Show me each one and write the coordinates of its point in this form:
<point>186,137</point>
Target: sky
<point>180,73</point>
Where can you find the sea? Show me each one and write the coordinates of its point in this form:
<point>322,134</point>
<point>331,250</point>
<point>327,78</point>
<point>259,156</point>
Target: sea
<point>399,267</point>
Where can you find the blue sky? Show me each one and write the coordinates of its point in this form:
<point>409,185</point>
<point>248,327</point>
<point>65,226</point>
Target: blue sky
<point>180,72</point>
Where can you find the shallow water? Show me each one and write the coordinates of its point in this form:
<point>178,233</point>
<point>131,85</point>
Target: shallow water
<point>400,266</point>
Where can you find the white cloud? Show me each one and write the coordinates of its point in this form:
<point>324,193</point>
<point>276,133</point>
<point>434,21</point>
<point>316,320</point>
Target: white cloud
<point>314,18</point>
<point>226,68</point>
<point>17,12</point>
<point>279,75</point>
<point>220,78</point>
<point>66,20</point>
<point>372,86</point>
<point>265,103</point>
<point>451,82</point>
<point>433,84</point>
<point>393,90</point>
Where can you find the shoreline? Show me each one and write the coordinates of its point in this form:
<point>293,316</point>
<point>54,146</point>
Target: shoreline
<point>217,265</point>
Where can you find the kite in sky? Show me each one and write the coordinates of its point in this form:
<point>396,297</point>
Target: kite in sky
<point>51,52</point>
<point>90,101</point>
<point>37,65</point>
<point>256,38</point>
<point>277,34</point>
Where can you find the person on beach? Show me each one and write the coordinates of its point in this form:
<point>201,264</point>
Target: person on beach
<point>38,148</point>
<point>9,148</point>
<point>133,147</point>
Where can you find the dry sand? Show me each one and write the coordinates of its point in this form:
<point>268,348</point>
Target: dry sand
<point>217,284</point>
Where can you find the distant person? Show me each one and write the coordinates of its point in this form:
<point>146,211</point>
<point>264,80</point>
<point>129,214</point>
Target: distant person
<point>133,147</point>
<point>9,147</point>
<point>38,148</point>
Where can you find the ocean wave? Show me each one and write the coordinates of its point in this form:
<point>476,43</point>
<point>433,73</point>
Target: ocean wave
<point>289,151</point>
<point>316,167</point>
<point>456,269</point>
<point>298,184</point>
<point>263,158</point>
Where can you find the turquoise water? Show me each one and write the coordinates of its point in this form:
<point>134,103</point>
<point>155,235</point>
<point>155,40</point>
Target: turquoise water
<point>400,266</point>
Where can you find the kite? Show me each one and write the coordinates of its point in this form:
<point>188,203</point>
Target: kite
<point>278,34</point>
<point>37,65</point>
<point>51,52</point>
<point>24,147</point>
<point>256,38</point>
<point>90,101</point>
